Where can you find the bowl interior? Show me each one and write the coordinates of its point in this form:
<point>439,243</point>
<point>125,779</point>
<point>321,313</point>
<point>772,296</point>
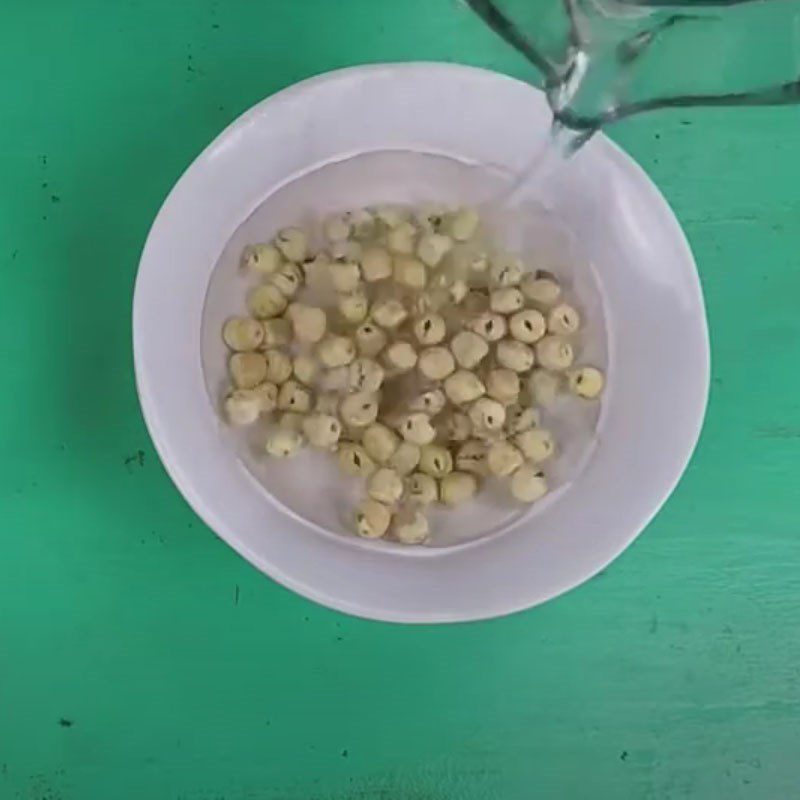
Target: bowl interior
<point>413,178</point>
<point>442,133</point>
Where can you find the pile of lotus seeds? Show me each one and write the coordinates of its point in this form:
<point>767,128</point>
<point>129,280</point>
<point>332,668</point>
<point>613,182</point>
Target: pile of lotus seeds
<point>411,350</point>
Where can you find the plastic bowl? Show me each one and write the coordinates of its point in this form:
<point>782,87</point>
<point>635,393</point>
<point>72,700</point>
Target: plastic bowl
<point>407,133</point>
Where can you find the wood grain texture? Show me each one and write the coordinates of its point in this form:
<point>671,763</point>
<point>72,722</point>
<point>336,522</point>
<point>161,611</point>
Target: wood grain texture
<point>141,658</point>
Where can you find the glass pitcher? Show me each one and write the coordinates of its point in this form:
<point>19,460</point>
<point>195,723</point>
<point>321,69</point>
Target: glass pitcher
<point>603,60</point>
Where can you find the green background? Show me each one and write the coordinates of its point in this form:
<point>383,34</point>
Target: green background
<point>140,658</point>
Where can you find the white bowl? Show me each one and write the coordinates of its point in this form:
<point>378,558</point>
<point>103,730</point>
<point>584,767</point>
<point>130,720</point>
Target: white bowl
<point>408,133</point>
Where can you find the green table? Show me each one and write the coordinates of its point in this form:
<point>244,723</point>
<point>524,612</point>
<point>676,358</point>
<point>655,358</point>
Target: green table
<point>141,659</point>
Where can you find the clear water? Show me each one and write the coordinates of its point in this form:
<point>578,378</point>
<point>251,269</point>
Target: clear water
<point>532,182</point>
<point>410,178</point>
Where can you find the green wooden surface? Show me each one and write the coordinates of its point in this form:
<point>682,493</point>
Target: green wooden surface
<point>141,658</point>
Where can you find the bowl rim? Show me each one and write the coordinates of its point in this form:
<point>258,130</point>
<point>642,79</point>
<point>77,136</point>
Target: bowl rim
<point>178,475</point>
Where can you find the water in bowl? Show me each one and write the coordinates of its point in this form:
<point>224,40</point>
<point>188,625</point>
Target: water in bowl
<point>310,487</point>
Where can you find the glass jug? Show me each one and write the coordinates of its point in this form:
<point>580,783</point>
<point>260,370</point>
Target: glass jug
<point>603,60</point>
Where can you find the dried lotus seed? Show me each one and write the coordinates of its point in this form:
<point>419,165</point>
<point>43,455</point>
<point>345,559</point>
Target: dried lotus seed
<point>400,356</point>
<point>431,216</point>
<point>291,421</point>
<point>436,363</point>
<point>370,339</point>
<point>309,323</point>
<point>430,402</point>
<point>279,366</point>
<point>488,437</point>
<point>417,429</point>
<point>390,216</point>
<point>363,223</point>
<point>372,519</point>
<point>505,270</point>
<point>464,224</point>
<point>385,486</point>
<point>336,351</point>
<point>471,457</point>
<point>292,242</point>
<point>433,247</point>
<point>376,264</point>
<point>528,326</point>
<point>476,302</point>
<point>337,228</point>
<point>267,394</point>
<point>264,258</point>
<point>294,397</point>
<point>345,275</point>
<point>266,301</point>
<point>536,444</point>
<point>242,333</point>
<point>322,430</point>
<point>353,460</point>
<point>305,368</point>
<point>406,458</point>
<point>365,375</point>
<point>317,272</point>
<point>334,380</point>
<point>503,458</point>
<point>431,301</point>
<point>563,320</point>
<point>506,300</point>
<point>283,443</point>
<point>327,403</point>
<point>490,326</point>
<point>457,291</point>
<point>487,415</point>
<point>410,272</point>
<point>359,409</point>
<point>441,280</point>
<point>277,332</point>
<point>463,387</point>
<point>586,382</point>
<point>458,427</point>
<point>503,385</point>
<point>479,262</point>
<point>410,527</point>
<point>354,306</point>
<point>528,484</point>
<point>541,291</point>
<point>519,419</point>
<point>401,238</point>
<point>430,329</point>
<point>422,489</point>
<point>514,355</point>
<point>555,353</point>
<point>457,488</point>
<point>242,407</point>
<point>543,386</point>
<point>341,252</point>
<point>380,442</point>
<point>247,369</point>
<point>288,280</point>
<point>469,349</point>
<point>389,313</point>
<point>435,461</point>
